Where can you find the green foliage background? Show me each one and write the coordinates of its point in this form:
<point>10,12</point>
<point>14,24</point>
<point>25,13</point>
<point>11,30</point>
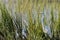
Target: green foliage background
<point>35,31</point>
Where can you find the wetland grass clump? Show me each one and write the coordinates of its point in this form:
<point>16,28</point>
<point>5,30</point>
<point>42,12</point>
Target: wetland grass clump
<point>7,23</point>
<point>34,20</point>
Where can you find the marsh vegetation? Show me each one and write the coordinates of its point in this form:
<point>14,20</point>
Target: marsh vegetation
<point>29,20</point>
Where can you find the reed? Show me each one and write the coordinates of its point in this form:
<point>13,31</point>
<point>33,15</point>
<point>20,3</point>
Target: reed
<point>24,21</point>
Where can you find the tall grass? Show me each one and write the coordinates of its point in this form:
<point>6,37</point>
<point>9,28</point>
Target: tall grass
<point>23,22</point>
